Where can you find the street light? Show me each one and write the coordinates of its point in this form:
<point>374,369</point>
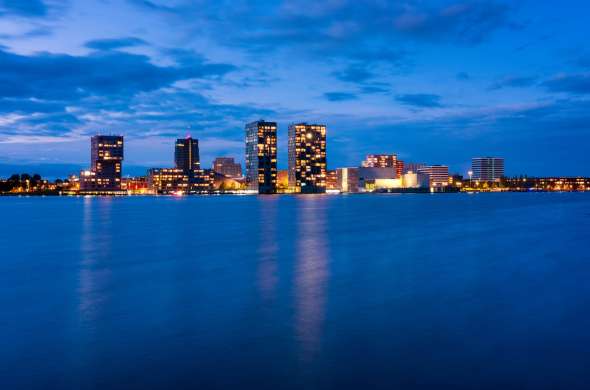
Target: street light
<point>470,173</point>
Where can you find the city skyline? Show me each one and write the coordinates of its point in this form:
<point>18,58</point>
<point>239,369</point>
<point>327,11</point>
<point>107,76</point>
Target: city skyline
<point>426,79</point>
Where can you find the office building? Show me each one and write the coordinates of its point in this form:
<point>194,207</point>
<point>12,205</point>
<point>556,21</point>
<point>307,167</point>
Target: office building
<point>261,157</point>
<point>438,175</point>
<point>186,155</point>
<point>227,167</point>
<point>487,168</point>
<point>167,181</point>
<point>106,159</point>
<point>307,158</point>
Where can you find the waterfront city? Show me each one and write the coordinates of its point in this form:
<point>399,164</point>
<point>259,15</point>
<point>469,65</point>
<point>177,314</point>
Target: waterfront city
<point>307,171</point>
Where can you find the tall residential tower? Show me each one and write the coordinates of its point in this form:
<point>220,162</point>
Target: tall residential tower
<point>106,159</point>
<point>261,157</point>
<point>307,158</point>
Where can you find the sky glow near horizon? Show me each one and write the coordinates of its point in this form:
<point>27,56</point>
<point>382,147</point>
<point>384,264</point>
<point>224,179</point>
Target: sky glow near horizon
<point>433,81</point>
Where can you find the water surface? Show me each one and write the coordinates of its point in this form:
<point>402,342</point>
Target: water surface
<point>380,291</point>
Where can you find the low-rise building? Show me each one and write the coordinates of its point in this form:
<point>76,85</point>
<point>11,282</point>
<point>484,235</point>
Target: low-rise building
<point>167,181</point>
<point>348,179</point>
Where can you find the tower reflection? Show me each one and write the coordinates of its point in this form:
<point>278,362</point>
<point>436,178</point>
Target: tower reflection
<point>311,273</point>
<point>268,247</point>
<point>96,251</point>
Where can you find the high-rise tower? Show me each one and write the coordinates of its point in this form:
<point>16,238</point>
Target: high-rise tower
<point>307,158</point>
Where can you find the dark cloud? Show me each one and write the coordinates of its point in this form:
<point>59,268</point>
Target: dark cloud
<point>570,83</point>
<point>463,76</point>
<point>514,82</point>
<point>28,106</point>
<point>65,77</point>
<point>373,88</point>
<point>154,6</point>
<point>53,94</point>
<point>354,73</point>
<point>468,22</point>
<point>421,100</point>
<point>26,8</point>
<point>114,43</point>
<point>339,96</point>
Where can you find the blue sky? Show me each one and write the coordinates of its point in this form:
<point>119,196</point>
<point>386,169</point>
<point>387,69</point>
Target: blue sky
<point>433,81</point>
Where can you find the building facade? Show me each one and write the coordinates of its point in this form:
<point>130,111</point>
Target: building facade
<point>438,175</point>
<point>332,180</point>
<point>487,168</point>
<point>167,181</point>
<point>186,155</point>
<point>227,167</point>
<point>261,157</point>
<point>106,159</point>
<point>374,178</point>
<point>380,161</point>
<point>348,179</point>
<point>307,158</point>
<point>413,167</point>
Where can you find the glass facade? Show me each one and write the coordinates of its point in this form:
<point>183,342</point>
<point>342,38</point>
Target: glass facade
<point>261,157</point>
<point>106,159</point>
<point>307,158</point>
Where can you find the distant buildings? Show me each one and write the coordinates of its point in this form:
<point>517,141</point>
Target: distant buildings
<point>227,167</point>
<point>437,175</point>
<point>487,168</point>
<point>106,159</point>
<point>307,171</point>
<point>307,158</point>
<point>187,177</point>
<point>261,157</point>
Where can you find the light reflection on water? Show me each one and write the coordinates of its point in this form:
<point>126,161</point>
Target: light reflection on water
<point>311,274</point>
<point>295,292</point>
<point>268,248</point>
<point>96,253</point>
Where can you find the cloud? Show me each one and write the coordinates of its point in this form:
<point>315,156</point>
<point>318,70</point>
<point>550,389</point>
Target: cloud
<point>154,6</point>
<point>354,73</point>
<point>339,96</point>
<point>48,94</point>
<point>462,76</point>
<point>570,83</point>
<point>65,77</point>
<point>514,82</point>
<point>469,22</point>
<point>114,43</point>
<point>373,88</point>
<point>26,8</point>
<point>422,100</point>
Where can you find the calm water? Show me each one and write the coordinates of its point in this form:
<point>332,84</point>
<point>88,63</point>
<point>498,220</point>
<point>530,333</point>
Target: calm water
<point>414,291</point>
